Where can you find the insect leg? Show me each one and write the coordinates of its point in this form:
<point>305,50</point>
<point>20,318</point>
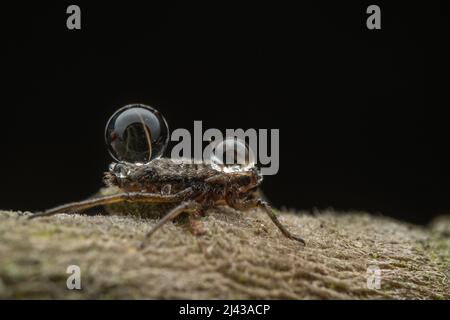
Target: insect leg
<point>111,199</point>
<point>185,207</point>
<point>249,204</point>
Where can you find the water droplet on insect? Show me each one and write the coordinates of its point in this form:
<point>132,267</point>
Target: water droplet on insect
<point>231,155</point>
<point>136,133</point>
<point>119,170</point>
<point>166,189</point>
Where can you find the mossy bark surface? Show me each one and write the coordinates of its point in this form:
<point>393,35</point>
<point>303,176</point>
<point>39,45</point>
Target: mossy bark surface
<point>241,256</point>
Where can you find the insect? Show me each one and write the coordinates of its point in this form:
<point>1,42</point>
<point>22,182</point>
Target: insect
<point>137,136</point>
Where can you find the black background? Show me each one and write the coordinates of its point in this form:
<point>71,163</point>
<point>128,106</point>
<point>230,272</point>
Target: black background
<point>359,111</point>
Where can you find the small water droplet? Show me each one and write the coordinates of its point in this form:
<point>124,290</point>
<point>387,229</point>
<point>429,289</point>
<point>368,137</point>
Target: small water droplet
<point>120,170</point>
<point>166,189</point>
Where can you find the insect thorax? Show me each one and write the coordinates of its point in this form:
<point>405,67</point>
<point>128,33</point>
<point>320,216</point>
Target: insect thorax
<point>167,176</point>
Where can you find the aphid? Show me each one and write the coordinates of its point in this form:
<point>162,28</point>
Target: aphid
<point>137,136</point>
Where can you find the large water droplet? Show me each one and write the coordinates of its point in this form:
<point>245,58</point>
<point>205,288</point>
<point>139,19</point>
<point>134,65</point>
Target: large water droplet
<point>136,133</point>
<point>231,155</point>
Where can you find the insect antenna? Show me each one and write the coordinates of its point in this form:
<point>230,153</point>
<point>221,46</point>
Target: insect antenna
<point>147,137</point>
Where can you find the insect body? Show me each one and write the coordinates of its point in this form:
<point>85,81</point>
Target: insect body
<point>180,185</point>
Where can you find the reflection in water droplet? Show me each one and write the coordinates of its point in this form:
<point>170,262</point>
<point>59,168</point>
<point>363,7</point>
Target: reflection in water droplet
<point>136,133</point>
<point>231,155</point>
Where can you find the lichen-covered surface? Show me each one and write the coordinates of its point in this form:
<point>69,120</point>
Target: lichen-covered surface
<point>242,256</point>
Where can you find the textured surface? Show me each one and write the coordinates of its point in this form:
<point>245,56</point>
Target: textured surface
<point>241,256</point>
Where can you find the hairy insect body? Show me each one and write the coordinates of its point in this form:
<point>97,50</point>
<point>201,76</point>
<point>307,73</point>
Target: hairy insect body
<point>157,177</point>
<point>169,177</point>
